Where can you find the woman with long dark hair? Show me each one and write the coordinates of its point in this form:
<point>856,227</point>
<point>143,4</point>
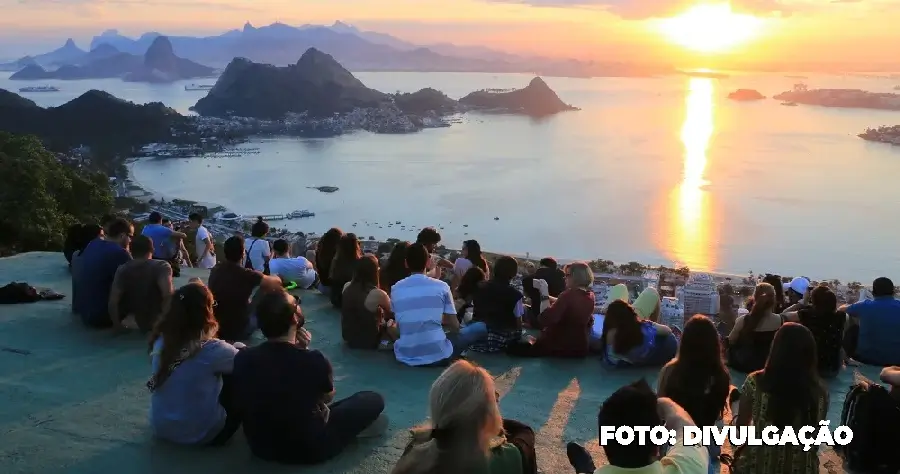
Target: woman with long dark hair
<point>343,266</point>
<point>366,308</point>
<point>827,326</point>
<point>697,378</point>
<point>786,392</point>
<point>778,285</point>
<point>259,253</point>
<point>471,256</point>
<point>498,308</point>
<point>629,341</point>
<point>326,248</point>
<point>191,399</point>
<point>395,268</point>
<point>748,343</point>
<point>465,292</point>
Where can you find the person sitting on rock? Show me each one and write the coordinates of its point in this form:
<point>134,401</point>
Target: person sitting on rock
<point>142,288</point>
<point>78,237</point>
<point>637,405</point>
<point>285,391</point>
<point>233,285</point>
<point>366,308</point>
<point>498,309</point>
<point>166,241</point>
<point>633,342</point>
<point>748,344</point>
<point>873,334</point>
<point>192,393</point>
<point>395,268</point>
<point>565,321</point>
<point>93,272</point>
<point>550,272</point>
<point>464,295</point>
<point>466,433</point>
<point>430,238</point>
<point>298,270</point>
<point>343,266</point>
<point>326,248</point>
<point>426,317</point>
<point>697,379</point>
<point>470,256</point>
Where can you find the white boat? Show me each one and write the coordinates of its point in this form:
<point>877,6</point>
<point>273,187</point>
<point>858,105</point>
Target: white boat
<point>39,89</point>
<point>227,217</point>
<point>198,87</point>
<point>301,214</point>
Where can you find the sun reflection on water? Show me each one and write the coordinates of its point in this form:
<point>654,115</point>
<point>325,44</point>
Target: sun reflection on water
<point>691,244</point>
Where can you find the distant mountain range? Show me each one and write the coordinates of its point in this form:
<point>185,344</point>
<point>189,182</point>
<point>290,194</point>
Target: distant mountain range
<point>319,86</point>
<point>281,44</point>
<point>95,119</point>
<point>158,64</point>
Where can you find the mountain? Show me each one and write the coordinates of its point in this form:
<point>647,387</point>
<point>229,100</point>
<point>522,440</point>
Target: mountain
<point>316,84</point>
<point>161,65</point>
<point>425,101</point>
<point>95,119</point>
<point>18,64</point>
<point>158,64</point>
<point>63,55</point>
<point>536,100</point>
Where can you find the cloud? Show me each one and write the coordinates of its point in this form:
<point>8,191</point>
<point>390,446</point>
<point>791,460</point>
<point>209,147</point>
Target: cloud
<point>643,9</point>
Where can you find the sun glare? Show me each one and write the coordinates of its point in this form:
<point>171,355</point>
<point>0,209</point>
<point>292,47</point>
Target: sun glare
<point>710,28</point>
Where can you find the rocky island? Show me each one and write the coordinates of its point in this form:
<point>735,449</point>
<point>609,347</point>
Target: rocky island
<point>158,64</point>
<point>744,95</point>
<point>536,100</point>
<point>887,134</point>
<point>845,98</point>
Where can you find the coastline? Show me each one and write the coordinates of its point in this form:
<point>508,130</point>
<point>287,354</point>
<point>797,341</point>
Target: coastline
<point>136,190</point>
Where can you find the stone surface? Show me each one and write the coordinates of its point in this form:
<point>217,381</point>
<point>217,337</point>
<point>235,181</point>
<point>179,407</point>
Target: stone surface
<point>73,400</point>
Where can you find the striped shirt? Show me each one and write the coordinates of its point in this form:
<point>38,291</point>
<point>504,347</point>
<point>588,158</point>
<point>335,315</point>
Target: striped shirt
<point>419,303</point>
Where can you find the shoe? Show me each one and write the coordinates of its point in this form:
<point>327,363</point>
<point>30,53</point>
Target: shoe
<point>580,459</point>
<point>378,428</point>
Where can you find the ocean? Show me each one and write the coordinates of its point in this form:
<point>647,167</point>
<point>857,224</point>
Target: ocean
<point>656,170</point>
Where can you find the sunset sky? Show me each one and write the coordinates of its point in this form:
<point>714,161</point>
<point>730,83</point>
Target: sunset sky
<point>850,31</point>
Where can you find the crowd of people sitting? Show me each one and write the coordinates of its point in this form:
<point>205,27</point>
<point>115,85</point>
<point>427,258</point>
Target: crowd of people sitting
<point>426,311</point>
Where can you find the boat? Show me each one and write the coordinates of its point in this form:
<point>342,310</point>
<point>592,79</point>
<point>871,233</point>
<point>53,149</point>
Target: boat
<point>198,87</point>
<point>301,214</point>
<point>39,89</point>
<point>227,217</point>
<point>789,104</point>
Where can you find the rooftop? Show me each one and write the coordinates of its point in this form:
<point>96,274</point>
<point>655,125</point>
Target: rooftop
<point>73,400</point>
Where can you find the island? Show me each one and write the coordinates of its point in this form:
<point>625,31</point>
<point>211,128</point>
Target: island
<point>844,98</point>
<point>158,65</point>
<point>536,100</point>
<point>887,134</point>
<point>744,95</point>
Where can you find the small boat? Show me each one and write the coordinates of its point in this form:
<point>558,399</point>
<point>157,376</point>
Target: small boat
<point>789,104</point>
<point>301,214</point>
<point>198,87</point>
<point>39,89</point>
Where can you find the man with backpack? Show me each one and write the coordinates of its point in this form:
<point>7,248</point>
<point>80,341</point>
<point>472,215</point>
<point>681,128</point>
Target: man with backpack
<point>872,412</point>
<point>232,286</point>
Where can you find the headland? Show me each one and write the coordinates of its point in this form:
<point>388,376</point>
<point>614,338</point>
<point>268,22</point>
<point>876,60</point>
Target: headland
<point>844,98</point>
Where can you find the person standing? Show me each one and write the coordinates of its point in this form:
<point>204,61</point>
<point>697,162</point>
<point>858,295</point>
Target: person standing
<point>205,245</point>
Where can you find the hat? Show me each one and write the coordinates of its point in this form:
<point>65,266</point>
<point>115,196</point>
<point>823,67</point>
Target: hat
<point>799,285</point>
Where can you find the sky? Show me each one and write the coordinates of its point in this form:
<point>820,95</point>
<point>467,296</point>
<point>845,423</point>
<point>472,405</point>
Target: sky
<point>783,31</point>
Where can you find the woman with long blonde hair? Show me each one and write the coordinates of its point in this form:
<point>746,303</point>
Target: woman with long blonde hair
<point>466,433</point>
<point>748,344</point>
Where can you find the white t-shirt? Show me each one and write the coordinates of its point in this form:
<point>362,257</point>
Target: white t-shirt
<point>461,266</point>
<point>257,251</point>
<point>210,260</point>
<point>296,269</point>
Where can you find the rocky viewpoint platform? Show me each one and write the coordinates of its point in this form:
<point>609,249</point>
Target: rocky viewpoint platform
<point>73,400</point>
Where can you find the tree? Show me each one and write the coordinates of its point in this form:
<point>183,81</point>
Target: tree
<point>41,197</point>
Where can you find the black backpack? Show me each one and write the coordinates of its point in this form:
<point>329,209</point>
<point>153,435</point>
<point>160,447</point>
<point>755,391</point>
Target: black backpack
<point>874,416</point>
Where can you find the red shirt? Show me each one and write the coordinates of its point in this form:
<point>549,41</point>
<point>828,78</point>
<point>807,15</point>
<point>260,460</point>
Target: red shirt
<point>567,325</point>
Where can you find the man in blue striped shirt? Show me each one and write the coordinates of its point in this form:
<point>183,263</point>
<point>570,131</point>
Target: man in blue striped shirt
<point>426,317</point>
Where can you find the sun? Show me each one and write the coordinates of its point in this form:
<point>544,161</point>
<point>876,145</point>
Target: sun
<point>710,28</point>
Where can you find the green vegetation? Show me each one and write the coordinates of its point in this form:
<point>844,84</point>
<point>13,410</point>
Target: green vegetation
<point>41,197</point>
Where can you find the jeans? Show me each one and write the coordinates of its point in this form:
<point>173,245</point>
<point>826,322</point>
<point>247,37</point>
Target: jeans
<point>461,341</point>
<point>228,402</point>
<point>347,419</point>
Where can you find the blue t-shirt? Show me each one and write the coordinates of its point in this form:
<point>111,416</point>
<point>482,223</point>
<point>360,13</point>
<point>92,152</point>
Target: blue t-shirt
<point>92,277</point>
<point>186,409</point>
<point>163,247</point>
<point>879,330</point>
<point>638,354</point>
